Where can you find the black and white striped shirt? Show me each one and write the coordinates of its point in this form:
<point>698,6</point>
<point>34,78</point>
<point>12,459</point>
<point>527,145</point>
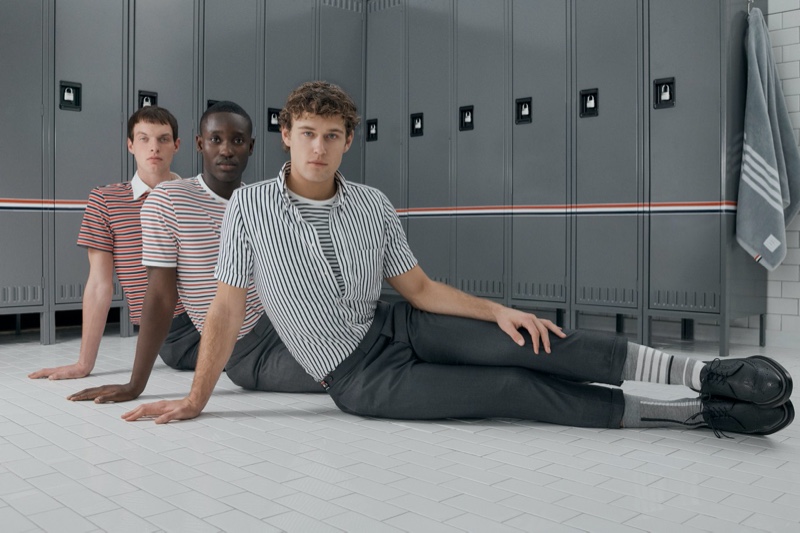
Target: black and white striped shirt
<point>264,236</point>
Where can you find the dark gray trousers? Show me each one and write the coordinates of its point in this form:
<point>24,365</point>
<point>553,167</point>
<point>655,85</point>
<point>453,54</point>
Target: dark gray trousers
<point>417,365</point>
<point>259,361</point>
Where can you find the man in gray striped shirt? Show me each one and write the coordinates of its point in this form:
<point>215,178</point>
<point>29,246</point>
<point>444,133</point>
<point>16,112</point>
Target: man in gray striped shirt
<point>318,248</point>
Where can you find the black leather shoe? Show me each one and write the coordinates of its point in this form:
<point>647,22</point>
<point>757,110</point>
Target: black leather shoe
<point>756,379</point>
<point>723,414</point>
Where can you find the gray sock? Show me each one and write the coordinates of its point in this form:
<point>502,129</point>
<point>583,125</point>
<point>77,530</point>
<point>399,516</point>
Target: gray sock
<point>654,366</point>
<point>648,413</point>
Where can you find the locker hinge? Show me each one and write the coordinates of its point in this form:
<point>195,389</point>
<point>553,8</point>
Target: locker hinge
<point>44,283</point>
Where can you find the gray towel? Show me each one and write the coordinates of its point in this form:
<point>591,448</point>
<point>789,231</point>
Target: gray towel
<point>769,189</point>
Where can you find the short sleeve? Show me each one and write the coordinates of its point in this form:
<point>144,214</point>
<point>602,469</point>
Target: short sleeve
<point>159,231</point>
<point>397,258</point>
<point>235,262</point>
<point>95,229</point>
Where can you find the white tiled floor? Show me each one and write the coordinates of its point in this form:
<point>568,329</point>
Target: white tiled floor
<point>282,462</point>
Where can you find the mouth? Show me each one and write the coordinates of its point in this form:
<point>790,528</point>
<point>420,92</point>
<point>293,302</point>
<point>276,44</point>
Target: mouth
<point>227,165</point>
<point>154,159</point>
<point>318,163</point>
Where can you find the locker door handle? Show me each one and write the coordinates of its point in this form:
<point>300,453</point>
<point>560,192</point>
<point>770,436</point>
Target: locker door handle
<point>589,102</point>
<point>663,93</point>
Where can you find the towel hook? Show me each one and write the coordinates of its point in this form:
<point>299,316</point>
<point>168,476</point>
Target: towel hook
<point>749,5</point>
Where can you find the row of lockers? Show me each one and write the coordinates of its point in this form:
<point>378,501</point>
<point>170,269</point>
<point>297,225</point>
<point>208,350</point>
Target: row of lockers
<point>74,70</point>
<point>573,155</point>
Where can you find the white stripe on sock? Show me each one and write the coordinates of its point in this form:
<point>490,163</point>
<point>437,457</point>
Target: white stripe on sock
<point>640,364</point>
<point>698,367</point>
<point>663,375</point>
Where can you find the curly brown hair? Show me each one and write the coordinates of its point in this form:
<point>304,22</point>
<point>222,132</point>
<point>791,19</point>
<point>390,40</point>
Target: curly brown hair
<point>319,98</point>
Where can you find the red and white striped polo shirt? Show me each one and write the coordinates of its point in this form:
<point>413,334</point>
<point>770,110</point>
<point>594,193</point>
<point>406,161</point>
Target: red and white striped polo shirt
<point>181,227</point>
<point>111,224</point>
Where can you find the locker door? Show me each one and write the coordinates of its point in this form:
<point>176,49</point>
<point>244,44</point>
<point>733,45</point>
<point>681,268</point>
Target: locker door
<point>480,169</point>
<point>429,77</point>
<point>89,144</point>
<point>164,63</point>
<point>539,158</point>
<point>608,152</point>
<point>685,163</point>
<point>286,67</point>
<point>383,157</point>
<point>21,231</point>
<point>230,62</point>
<point>341,60</point>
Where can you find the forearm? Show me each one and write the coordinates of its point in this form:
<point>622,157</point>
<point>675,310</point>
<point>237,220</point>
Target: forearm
<point>219,337</point>
<point>96,303</point>
<point>443,299</point>
<point>157,313</point>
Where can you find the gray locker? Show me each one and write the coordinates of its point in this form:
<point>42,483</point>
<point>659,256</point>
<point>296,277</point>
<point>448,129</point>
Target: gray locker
<point>384,159</point>
<point>608,188</point>
<point>540,152</point>
<point>341,61</point>
<point>232,38</point>
<point>89,144</point>
<point>430,48</point>
<point>481,45</point>
<point>21,138</point>
<point>696,270</point>
<point>163,61</point>
<point>286,68</point>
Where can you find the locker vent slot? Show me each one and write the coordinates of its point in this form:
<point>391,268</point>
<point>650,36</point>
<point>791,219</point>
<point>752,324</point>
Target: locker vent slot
<point>441,279</point>
<point>381,5</point>
<point>482,287</point>
<point>684,300</point>
<point>607,296</point>
<point>70,292</point>
<point>348,5</point>
<point>551,292</point>
<point>20,295</point>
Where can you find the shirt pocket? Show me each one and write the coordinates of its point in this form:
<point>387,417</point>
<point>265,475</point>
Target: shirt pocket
<point>363,273</point>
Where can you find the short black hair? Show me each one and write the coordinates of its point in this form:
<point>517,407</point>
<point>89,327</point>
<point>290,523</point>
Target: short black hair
<point>226,106</point>
<point>153,114</point>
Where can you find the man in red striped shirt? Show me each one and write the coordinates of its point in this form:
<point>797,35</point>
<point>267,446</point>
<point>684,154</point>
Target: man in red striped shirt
<point>112,234</point>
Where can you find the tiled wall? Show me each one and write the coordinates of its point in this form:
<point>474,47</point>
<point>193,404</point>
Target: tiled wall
<point>783,306</point>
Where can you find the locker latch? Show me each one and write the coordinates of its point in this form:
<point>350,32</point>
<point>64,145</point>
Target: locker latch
<point>466,118</point>
<point>147,98</point>
<point>69,97</point>
<point>589,103</point>
<point>372,130</point>
<point>664,93</point>
<point>524,113</point>
<point>273,124</point>
<point>417,125</point>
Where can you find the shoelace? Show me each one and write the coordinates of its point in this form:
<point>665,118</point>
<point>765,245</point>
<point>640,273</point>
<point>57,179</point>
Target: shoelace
<point>713,414</point>
<point>716,377</point>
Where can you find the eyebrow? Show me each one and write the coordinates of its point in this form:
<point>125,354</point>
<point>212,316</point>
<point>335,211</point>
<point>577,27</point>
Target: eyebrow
<point>332,130</point>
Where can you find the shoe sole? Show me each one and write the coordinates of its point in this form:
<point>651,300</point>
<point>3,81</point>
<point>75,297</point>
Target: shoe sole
<point>787,383</point>
<point>789,408</point>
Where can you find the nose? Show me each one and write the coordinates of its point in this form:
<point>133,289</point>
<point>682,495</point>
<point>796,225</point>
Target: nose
<point>154,145</point>
<point>318,145</point>
<point>226,148</point>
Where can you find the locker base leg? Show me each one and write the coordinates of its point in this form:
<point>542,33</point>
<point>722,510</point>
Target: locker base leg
<point>47,327</point>
<point>687,329</point>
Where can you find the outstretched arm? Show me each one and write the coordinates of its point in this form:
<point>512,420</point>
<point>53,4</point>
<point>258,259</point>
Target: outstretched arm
<point>222,325</point>
<point>96,303</point>
<point>157,310</point>
<point>428,295</point>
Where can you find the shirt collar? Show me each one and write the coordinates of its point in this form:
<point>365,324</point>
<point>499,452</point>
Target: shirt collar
<point>341,186</point>
<point>139,187</point>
